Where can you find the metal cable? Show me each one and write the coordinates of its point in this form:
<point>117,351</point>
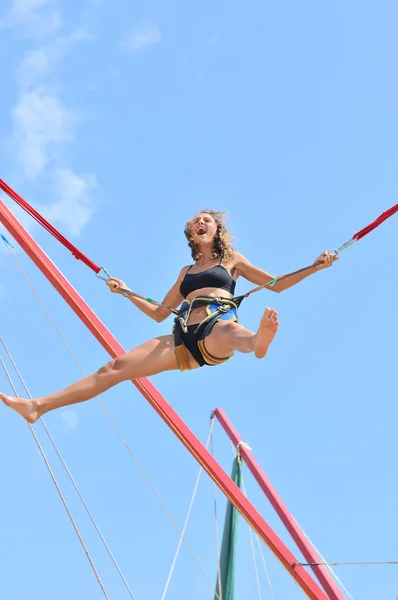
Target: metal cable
<point>234,452</point>
<point>216,525</point>
<point>59,490</point>
<point>186,522</point>
<point>70,475</point>
<point>337,564</point>
<point>328,566</point>
<point>265,567</point>
<point>252,547</point>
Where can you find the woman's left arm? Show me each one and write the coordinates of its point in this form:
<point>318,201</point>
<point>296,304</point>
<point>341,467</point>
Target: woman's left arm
<point>256,275</point>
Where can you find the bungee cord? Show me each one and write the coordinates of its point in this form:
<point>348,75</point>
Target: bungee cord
<point>47,225</point>
<point>127,292</point>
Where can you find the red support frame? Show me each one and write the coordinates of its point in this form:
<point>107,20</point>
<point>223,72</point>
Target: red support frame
<point>164,410</point>
<point>287,518</point>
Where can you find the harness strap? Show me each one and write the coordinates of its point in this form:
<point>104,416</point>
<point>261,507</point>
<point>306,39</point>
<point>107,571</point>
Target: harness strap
<point>203,328</point>
<point>224,305</point>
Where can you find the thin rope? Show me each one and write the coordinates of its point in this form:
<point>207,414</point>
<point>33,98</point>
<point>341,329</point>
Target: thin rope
<point>234,452</point>
<point>187,519</point>
<point>338,564</point>
<point>216,524</point>
<point>117,430</point>
<point>265,567</point>
<point>70,475</point>
<point>252,545</point>
<point>327,565</point>
<point>168,515</point>
<point>59,490</point>
<point>255,565</point>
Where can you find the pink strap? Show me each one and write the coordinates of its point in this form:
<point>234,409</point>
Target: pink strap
<point>40,219</point>
<point>383,217</point>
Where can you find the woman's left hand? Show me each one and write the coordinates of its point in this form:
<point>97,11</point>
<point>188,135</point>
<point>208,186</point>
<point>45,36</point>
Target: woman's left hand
<point>325,260</point>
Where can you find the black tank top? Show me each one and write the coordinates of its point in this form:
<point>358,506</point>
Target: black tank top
<point>217,277</point>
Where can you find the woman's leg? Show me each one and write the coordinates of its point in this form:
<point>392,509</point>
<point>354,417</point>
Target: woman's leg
<point>152,357</point>
<point>228,337</point>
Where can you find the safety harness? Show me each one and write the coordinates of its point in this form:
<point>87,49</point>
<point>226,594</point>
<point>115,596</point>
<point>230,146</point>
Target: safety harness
<point>203,328</point>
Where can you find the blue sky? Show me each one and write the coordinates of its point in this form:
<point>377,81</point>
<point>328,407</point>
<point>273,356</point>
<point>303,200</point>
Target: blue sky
<point>121,120</point>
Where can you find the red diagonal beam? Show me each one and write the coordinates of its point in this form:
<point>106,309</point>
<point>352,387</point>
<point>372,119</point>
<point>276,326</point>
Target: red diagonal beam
<point>287,518</point>
<point>156,400</point>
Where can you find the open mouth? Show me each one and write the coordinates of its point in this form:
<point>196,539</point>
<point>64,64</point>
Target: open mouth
<point>201,230</point>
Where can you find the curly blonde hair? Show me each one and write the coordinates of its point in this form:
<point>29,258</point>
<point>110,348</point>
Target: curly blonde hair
<point>222,245</point>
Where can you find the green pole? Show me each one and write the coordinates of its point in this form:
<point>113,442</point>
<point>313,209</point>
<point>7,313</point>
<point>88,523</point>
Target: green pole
<point>226,580</point>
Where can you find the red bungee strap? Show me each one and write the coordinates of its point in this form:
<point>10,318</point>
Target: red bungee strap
<point>80,256</point>
<point>383,217</point>
<point>40,219</point>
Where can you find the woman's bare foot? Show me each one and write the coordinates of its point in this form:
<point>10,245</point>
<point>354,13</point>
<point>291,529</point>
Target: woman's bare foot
<point>28,409</point>
<point>266,332</point>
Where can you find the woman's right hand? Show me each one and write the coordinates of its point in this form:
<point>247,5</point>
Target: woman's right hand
<point>116,285</point>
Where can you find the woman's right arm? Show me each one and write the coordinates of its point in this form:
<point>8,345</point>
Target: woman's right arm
<point>173,298</point>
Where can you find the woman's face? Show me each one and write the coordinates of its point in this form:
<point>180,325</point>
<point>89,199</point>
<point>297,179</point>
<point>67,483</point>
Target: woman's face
<point>203,228</point>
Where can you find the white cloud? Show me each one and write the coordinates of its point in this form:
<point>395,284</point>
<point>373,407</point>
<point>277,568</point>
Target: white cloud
<point>36,17</point>
<point>72,210</point>
<point>28,6</point>
<point>35,65</point>
<point>40,123</point>
<point>70,419</point>
<point>44,25</point>
<point>74,207</point>
<point>141,38</point>
<point>79,34</point>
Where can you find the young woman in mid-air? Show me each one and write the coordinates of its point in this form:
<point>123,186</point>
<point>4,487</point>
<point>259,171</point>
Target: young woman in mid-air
<point>206,330</point>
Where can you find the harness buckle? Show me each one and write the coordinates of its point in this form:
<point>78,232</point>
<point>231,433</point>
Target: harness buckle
<point>224,308</point>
